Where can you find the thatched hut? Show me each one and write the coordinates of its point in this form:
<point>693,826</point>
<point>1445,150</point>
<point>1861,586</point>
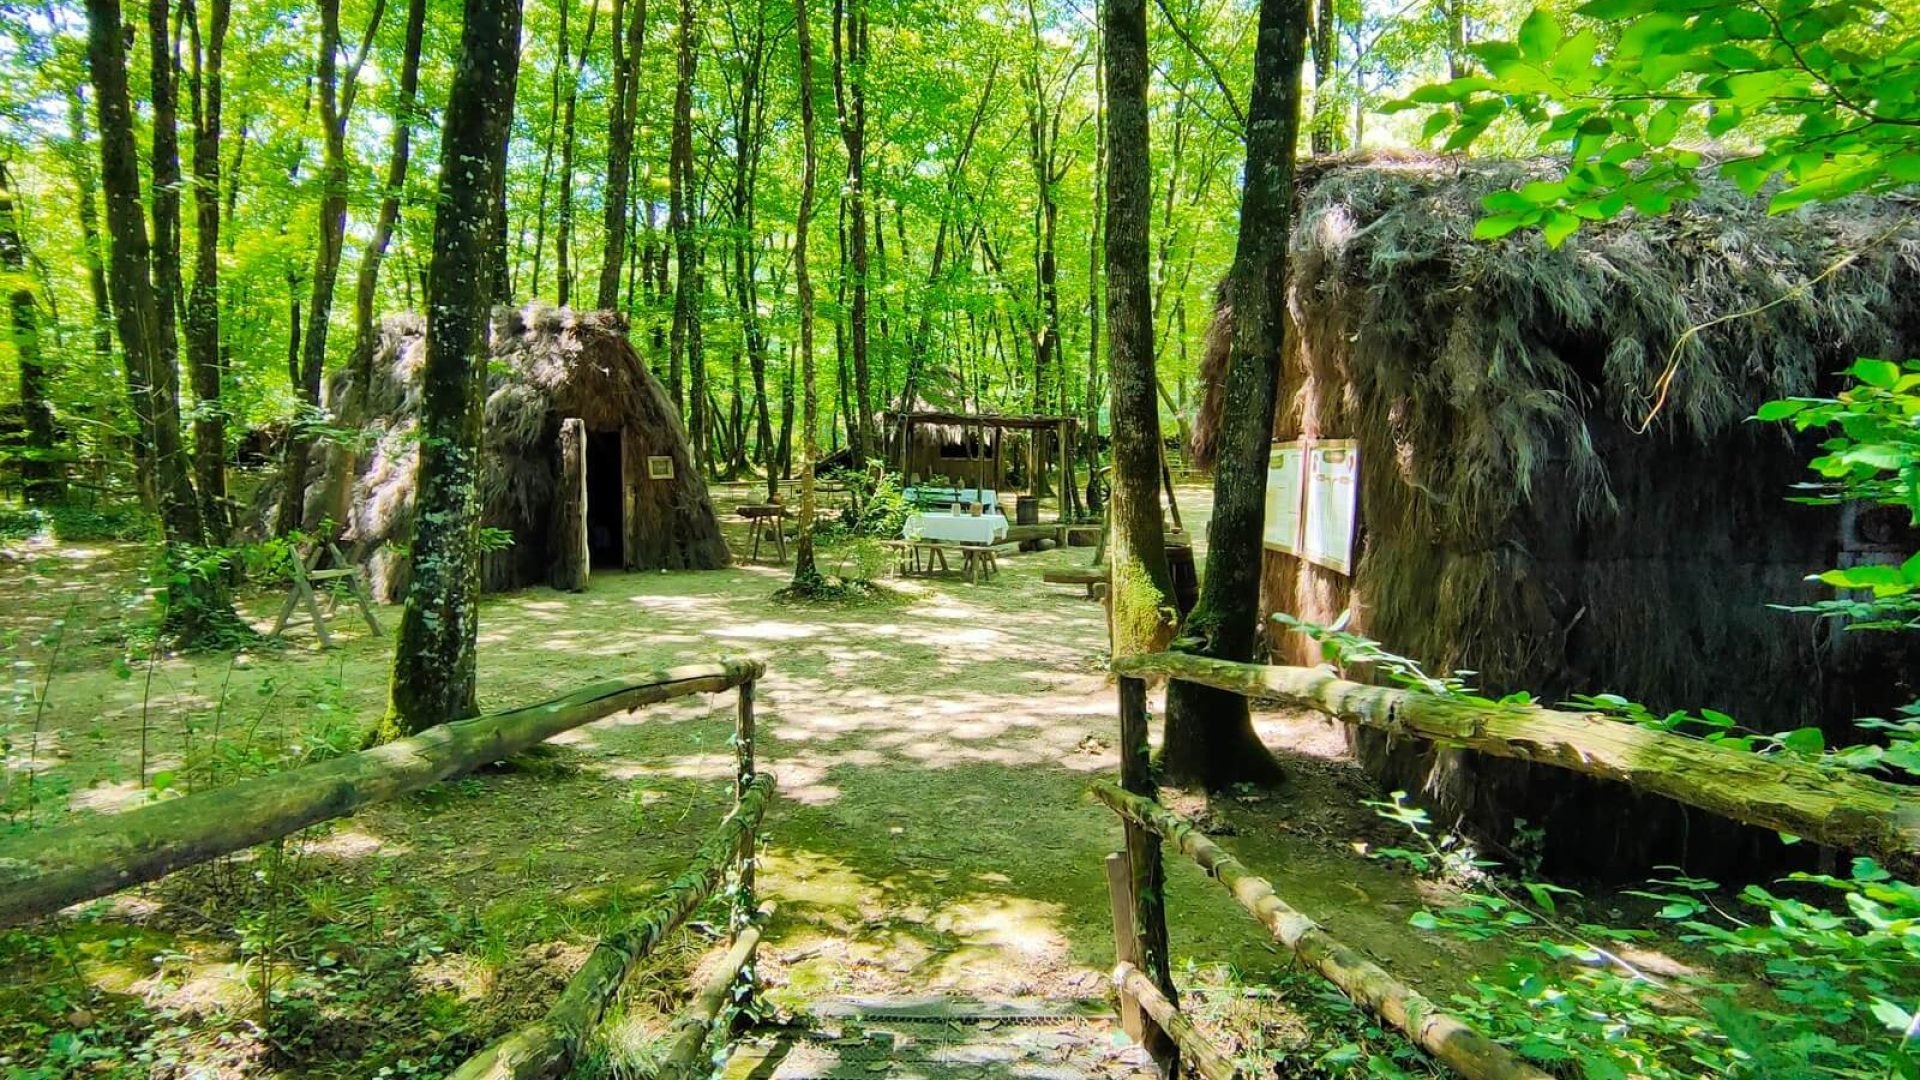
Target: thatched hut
<point>1513,519</point>
<point>641,505</point>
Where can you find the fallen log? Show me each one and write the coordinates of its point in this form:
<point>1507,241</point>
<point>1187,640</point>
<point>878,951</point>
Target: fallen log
<point>45,871</point>
<point>549,1046</point>
<point>1447,1038</point>
<point>689,1034</point>
<point>1830,806</point>
<point>1205,1058</point>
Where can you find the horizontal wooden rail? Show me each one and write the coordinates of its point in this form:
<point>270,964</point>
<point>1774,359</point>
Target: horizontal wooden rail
<point>549,1046</point>
<point>1205,1058</point>
<point>691,1029</point>
<point>1830,806</point>
<point>45,871</point>
<point>1446,1037</point>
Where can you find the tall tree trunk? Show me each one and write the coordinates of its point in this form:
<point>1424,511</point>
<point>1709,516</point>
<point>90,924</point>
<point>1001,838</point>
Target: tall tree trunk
<point>499,258</point>
<point>784,454</point>
<point>563,228</point>
<point>1140,594</point>
<point>164,197</point>
<point>680,211</point>
<point>434,664</point>
<point>1209,738</point>
<point>620,123</point>
<point>36,471</point>
<point>367,281</point>
<point>918,344</point>
<point>806,575</point>
<point>93,250</point>
<point>1326,57</point>
<point>1043,132</point>
<point>749,136</point>
<point>198,607</point>
<point>336,106</point>
<point>1091,444</point>
<point>1456,12</point>
<point>850,93</point>
<point>204,357</point>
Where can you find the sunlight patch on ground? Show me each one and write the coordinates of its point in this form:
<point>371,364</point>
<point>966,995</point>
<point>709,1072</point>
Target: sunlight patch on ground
<point>767,630</point>
<point>352,843</point>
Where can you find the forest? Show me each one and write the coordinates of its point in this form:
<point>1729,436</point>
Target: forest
<point>523,522</point>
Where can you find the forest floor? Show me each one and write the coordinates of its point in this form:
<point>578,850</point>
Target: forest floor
<point>932,832</point>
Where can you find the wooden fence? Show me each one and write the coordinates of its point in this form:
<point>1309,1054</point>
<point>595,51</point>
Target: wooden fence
<point>1772,791</point>
<point>1149,1005</point>
<point>42,872</point>
<point>1828,805</point>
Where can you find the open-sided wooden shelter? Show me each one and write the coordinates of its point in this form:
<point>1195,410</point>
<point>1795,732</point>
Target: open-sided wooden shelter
<point>972,450</point>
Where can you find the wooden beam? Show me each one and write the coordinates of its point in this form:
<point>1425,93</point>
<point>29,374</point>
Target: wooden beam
<point>549,1046</point>
<point>1126,944</point>
<point>1206,1059</point>
<point>1447,1038</point>
<point>693,1027</point>
<point>45,871</point>
<point>1772,791</point>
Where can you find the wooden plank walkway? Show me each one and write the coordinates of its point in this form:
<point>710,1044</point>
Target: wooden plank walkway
<point>942,1039</point>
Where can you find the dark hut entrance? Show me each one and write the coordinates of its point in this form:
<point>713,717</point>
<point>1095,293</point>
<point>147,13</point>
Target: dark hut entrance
<point>606,517</point>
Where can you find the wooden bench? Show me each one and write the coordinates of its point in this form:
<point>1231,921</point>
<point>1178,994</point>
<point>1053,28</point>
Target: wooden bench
<point>918,556</point>
<point>982,560</point>
<point>1094,578</point>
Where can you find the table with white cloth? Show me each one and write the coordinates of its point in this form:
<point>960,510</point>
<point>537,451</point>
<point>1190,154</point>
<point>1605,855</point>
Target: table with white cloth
<point>952,528</point>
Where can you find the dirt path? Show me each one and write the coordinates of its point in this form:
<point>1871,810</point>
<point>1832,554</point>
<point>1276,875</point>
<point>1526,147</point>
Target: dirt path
<point>932,832</point>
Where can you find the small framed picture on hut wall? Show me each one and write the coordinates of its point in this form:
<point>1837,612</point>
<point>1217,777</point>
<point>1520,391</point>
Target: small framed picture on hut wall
<point>659,467</point>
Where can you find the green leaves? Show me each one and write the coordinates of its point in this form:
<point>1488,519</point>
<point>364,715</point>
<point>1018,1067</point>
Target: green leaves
<point>1539,36</point>
<point>1822,97</point>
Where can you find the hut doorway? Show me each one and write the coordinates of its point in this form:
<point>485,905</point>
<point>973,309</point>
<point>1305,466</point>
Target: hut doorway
<point>606,510</point>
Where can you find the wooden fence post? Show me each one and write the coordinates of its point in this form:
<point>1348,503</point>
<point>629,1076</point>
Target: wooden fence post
<point>1146,884</point>
<point>744,901</point>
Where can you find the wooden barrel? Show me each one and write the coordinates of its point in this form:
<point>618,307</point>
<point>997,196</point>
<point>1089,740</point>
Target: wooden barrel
<point>1186,577</point>
<point>1026,510</point>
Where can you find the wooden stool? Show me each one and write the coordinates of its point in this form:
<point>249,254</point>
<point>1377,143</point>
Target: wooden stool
<point>980,564</point>
<point>768,518</point>
<point>304,575</point>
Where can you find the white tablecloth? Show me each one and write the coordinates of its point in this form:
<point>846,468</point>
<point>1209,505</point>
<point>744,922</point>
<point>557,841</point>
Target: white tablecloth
<point>956,528</point>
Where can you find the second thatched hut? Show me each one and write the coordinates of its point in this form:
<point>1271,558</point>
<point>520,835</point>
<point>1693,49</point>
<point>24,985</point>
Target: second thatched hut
<point>1514,520</point>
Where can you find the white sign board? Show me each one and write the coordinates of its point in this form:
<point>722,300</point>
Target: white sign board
<point>1282,523</point>
<point>1332,496</point>
<point>1312,501</point>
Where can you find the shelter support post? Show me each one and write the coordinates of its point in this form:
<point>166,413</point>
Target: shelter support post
<point>1066,472</point>
<point>571,558</point>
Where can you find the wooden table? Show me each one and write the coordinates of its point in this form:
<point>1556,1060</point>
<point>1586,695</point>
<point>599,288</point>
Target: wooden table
<point>767,519</point>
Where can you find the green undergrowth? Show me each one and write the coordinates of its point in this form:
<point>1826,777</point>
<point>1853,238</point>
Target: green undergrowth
<point>1292,1023</point>
<point>304,958</point>
<point>1815,976</point>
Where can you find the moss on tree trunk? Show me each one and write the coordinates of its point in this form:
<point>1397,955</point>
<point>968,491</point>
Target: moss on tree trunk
<point>433,671</point>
